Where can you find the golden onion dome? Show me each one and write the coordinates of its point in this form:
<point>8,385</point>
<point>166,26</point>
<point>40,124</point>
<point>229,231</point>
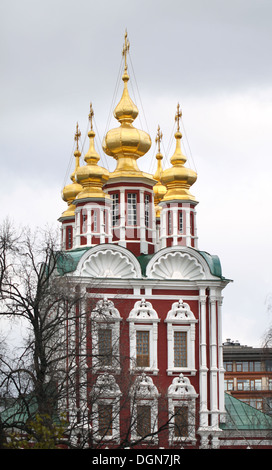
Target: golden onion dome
<point>91,176</point>
<point>178,179</point>
<point>126,143</point>
<point>70,191</point>
<point>159,189</point>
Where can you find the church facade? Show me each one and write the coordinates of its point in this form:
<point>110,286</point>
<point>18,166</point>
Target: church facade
<point>152,355</point>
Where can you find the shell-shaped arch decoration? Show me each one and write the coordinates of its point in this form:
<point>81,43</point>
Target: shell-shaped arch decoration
<point>176,265</point>
<point>108,263</point>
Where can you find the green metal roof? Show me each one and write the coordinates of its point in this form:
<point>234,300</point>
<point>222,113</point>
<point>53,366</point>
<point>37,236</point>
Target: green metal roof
<point>68,261</point>
<point>241,416</point>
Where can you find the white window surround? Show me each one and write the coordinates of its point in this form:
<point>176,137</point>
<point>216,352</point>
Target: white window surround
<point>181,318</point>
<point>182,393</point>
<point>144,318</point>
<point>106,392</point>
<point>144,393</point>
<point>106,316</point>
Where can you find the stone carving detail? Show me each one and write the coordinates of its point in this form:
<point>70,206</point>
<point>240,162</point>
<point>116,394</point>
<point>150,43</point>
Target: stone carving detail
<point>176,265</point>
<point>108,263</point>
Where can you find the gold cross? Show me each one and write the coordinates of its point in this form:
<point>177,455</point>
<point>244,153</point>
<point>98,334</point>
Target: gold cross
<point>159,138</point>
<point>77,135</point>
<point>178,115</point>
<point>125,50</point>
<point>91,115</point>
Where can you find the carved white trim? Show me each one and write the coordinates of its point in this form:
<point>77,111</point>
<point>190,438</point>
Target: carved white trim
<point>109,262</point>
<point>106,316</point>
<point>181,319</point>
<point>144,318</point>
<point>176,265</point>
<point>144,392</point>
<point>181,393</point>
<point>106,392</point>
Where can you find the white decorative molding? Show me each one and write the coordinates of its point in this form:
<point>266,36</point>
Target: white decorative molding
<point>109,261</point>
<point>181,393</point>
<point>106,392</point>
<point>106,317</point>
<point>144,393</point>
<point>144,318</point>
<point>181,319</point>
<point>176,265</point>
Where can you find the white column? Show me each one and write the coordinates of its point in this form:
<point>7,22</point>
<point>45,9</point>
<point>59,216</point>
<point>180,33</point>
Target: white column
<point>163,228</point>
<point>122,241</point>
<point>89,226</point>
<point>77,228</point>
<point>188,226</point>
<point>175,225</point>
<point>143,243</point>
<point>203,369</point>
<point>220,362</point>
<point>213,361</point>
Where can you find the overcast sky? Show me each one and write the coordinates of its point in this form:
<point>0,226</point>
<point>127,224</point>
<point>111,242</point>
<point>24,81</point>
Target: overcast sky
<point>211,56</point>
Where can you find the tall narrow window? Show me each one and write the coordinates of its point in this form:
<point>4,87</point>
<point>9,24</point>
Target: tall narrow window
<point>105,346</point>
<point>180,222</point>
<point>181,421</point>
<point>142,349</point>
<point>147,209</point>
<point>115,208</point>
<point>105,420</point>
<point>132,209</point>
<point>69,238</point>
<point>95,221</point>
<point>143,420</point>
<point>180,349</point>
<point>84,221</point>
<point>169,223</point>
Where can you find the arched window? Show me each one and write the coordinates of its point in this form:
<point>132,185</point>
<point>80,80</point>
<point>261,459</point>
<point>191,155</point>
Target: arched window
<point>105,406</point>
<point>182,410</point>
<point>143,327</point>
<point>181,338</point>
<point>105,320</point>
<point>144,409</point>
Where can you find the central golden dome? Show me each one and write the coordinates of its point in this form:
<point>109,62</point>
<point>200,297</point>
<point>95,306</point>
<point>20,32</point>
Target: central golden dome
<point>126,143</point>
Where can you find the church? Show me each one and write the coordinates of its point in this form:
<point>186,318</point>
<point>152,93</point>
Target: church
<point>152,357</point>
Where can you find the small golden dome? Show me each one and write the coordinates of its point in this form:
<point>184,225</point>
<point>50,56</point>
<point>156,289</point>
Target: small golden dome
<point>178,179</point>
<point>91,176</point>
<point>70,192</point>
<point>126,143</point>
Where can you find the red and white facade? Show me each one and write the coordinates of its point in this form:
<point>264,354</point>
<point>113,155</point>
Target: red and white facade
<point>157,300</point>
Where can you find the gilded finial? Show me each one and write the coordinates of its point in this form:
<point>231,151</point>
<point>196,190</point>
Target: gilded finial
<point>77,135</point>
<point>158,139</point>
<point>91,115</point>
<point>178,117</point>
<point>125,49</point>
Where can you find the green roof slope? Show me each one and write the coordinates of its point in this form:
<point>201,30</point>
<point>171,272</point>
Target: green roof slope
<point>241,416</point>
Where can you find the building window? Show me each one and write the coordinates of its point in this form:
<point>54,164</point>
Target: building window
<point>132,209</point>
<point>181,421</point>
<point>180,349</point>
<point>143,328</point>
<point>84,221</point>
<point>115,208</point>
<point>142,348</point>
<point>144,409</point>
<point>229,385</point>
<point>147,209</point>
<point>69,238</point>
<point>180,222</point>
<point>95,227</point>
<point>105,409</point>
<point>143,420</point>
<point>170,223</point>
<point>182,410</point>
<point>181,338</point>
<point>105,420</point>
<point>105,324</point>
<point>105,346</point>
